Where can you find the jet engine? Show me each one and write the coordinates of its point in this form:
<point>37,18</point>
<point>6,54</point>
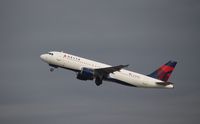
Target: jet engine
<point>85,74</point>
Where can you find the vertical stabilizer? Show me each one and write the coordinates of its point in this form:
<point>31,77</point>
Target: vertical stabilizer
<point>164,72</point>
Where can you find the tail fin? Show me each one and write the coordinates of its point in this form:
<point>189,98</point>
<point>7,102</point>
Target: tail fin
<point>164,72</point>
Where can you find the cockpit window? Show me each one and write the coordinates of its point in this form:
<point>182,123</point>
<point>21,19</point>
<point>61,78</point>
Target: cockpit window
<point>50,54</point>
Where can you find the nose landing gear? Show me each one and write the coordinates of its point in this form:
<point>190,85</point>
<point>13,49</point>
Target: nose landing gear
<point>51,69</point>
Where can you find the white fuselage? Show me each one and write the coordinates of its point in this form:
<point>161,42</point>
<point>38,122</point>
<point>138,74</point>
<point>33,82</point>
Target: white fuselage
<point>71,62</point>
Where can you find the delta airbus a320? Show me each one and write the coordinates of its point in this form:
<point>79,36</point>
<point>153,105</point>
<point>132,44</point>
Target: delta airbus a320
<point>91,70</point>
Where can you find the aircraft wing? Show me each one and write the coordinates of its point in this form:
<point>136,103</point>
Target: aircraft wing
<point>108,70</point>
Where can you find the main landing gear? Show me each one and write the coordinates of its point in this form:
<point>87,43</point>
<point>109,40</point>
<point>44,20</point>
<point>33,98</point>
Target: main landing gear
<point>98,81</point>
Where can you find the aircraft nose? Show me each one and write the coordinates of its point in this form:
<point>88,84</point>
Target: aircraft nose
<point>42,57</point>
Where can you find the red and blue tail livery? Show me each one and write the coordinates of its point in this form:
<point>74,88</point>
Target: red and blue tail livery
<point>164,72</point>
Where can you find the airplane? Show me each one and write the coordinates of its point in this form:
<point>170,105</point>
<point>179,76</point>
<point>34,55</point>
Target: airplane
<point>91,70</point>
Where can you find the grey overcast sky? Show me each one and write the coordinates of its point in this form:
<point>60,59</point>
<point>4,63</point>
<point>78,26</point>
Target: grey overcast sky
<point>142,33</point>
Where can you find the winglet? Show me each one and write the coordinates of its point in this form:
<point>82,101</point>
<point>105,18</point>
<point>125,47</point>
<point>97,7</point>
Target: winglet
<point>124,66</point>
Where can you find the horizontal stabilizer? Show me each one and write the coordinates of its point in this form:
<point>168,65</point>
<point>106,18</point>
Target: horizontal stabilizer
<point>164,83</point>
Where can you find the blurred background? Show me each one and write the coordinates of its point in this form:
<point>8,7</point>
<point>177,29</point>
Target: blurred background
<point>142,33</point>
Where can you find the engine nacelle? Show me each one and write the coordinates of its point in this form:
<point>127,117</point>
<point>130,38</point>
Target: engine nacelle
<point>85,74</point>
